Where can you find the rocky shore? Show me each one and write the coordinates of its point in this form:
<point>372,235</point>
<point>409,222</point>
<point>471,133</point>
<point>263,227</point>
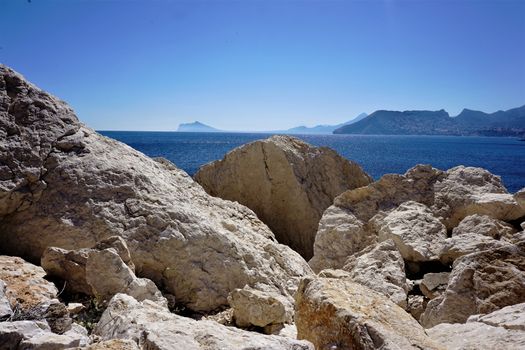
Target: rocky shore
<point>280,245</point>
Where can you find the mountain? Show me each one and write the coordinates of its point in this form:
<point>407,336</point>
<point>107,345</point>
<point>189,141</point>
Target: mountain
<point>468,122</point>
<point>322,129</point>
<point>196,127</point>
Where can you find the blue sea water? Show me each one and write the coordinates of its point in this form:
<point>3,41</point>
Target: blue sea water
<point>378,155</point>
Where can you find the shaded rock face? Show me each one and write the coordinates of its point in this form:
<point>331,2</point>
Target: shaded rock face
<point>479,283</point>
<point>339,314</point>
<point>64,185</point>
<point>286,182</point>
<point>154,327</point>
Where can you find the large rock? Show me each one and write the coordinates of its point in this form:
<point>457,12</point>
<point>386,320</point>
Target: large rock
<point>339,314</point>
<point>64,185</point>
<point>70,265</point>
<point>463,244</point>
<point>5,305</point>
<point>25,286</point>
<point>36,335</point>
<point>286,182</point>
<point>340,235</point>
<point>479,283</point>
<point>434,284</point>
<point>381,268</point>
<point>502,329</point>
<point>256,308</point>
<point>154,327</point>
<point>483,225</point>
<point>418,235</point>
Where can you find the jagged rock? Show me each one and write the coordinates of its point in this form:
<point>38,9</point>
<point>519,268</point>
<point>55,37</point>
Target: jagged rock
<point>479,283</point>
<point>5,305</point>
<point>70,265</point>
<point>25,286</point>
<point>340,314</point>
<point>331,273</point>
<point>509,317</point>
<point>258,308</point>
<point>286,182</point>
<point>520,197</point>
<point>483,225</point>
<point>381,268</point>
<point>113,344</point>
<point>154,327</point>
<point>29,335</point>
<point>502,329</point>
<point>64,185</point>
<point>416,305</point>
<point>340,235</point>
<point>417,234</point>
<point>108,275</point>
<point>434,284</point>
<point>463,244</point>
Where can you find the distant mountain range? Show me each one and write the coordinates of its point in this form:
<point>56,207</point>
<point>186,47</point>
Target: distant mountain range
<point>319,129</point>
<point>468,122</point>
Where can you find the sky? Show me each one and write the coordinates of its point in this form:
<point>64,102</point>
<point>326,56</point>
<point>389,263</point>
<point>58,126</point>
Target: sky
<point>265,65</point>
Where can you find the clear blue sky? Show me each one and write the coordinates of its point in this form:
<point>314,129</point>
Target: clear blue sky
<point>259,65</point>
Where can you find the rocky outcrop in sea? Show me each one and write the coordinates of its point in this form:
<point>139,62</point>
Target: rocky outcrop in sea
<point>105,248</point>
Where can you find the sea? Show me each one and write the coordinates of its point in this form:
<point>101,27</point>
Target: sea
<point>378,155</point>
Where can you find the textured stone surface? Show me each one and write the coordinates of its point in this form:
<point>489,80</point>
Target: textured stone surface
<point>476,336</point>
<point>416,305</point>
<point>340,314</point>
<point>5,305</point>
<point>418,235</point>
<point>463,244</point>
<point>509,317</point>
<point>108,275</point>
<point>154,327</point>
<point>25,285</point>
<point>286,182</point>
<point>479,283</point>
<point>70,265</point>
<point>483,225</point>
<point>64,185</point>
<point>36,335</point>
<point>381,268</point>
<point>340,235</point>
<point>113,344</point>
<point>434,284</point>
<point>257,308</point>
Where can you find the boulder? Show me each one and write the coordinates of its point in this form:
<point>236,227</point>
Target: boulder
<point>434,284</point>
<point>5,305</point>
<point>340,314</point>
<point>70,265</point>
<point>520,197</point>
<point>340,235</point>
<point>381,268</point>
<point>257,308</point>
<point>286,182</point>
<point>483,225</point>
<point>108,275</point>
<point>153,327</point>
<point>501,329</point>
<point>416,305</point>
<point>22,335</point>
<point>418,235</point>
<point>64,185</point>
<point>479,283</point>
<point>463,244</point>
<point>25,286</point>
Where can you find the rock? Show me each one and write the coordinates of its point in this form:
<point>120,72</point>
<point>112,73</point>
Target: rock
<point>520,197</point>
<point>466,190</point>
<point>25,286</point>
<point>113,344</point>
<point>154,327</point>
<point>475,335</point>
<point>5,305</point>
<point>63,185</point>
<point>286,182</point>
<point>340,235</point>
<point>381,268</point>
<point>257,308</point>
<point>434,284</point>
<point>340,314</point>
<point>463,244</point>
<point>416,305</point>
<point>330,273</point>
<point>479,283</point>
<point>509,317</point>
<point>418,235</point>
<point>22,335</point>
<point>75,308</point>
<point>108,275</point>
<point>483,225</point>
